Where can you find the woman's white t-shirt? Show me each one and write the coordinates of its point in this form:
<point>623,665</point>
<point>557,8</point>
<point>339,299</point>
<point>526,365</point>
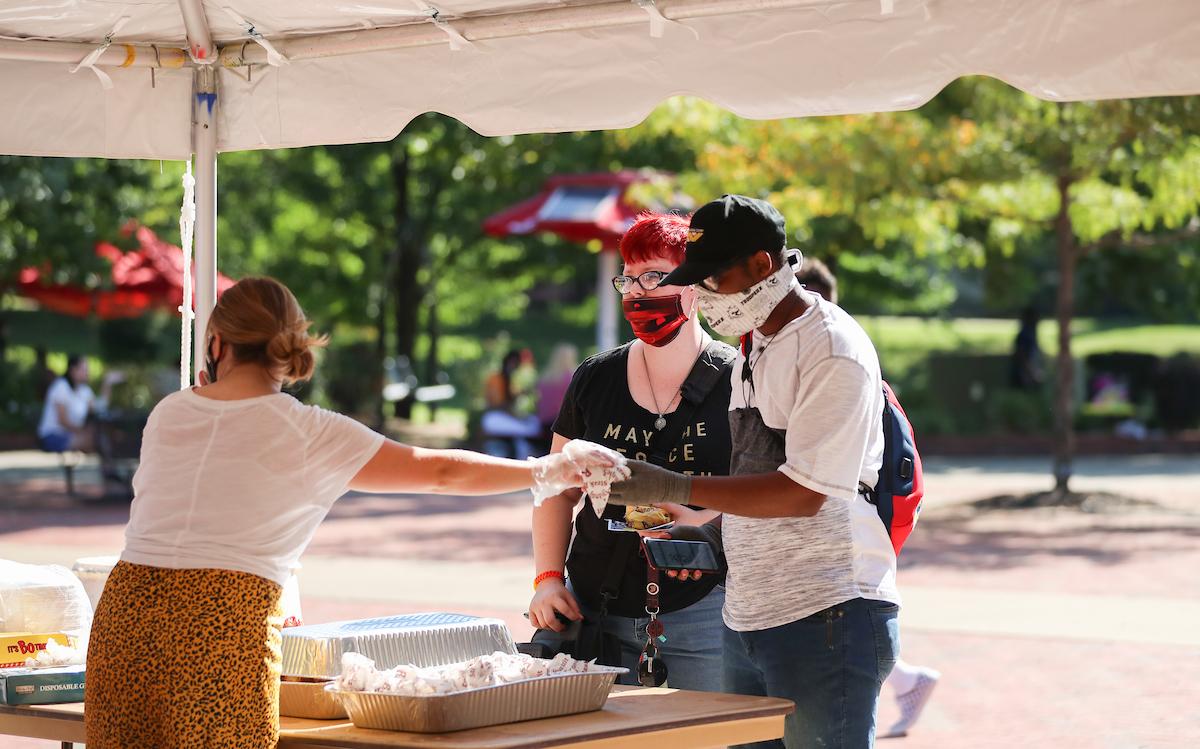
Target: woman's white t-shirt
<point>239,485</point>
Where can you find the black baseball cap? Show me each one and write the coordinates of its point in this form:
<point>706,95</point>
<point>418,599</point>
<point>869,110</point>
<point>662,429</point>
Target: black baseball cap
<point>724,231</point>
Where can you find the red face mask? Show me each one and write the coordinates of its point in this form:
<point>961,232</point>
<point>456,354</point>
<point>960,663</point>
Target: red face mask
<point>656,320</point>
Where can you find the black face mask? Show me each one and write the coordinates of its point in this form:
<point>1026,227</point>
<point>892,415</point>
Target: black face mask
<point>210,364</point>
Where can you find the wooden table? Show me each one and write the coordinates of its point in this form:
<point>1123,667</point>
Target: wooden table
<point>632,719</point>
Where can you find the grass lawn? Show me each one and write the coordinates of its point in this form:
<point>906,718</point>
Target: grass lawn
<point>904,341</point>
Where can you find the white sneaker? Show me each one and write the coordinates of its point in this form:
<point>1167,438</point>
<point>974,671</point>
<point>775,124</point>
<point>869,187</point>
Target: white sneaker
<point>913,702</point>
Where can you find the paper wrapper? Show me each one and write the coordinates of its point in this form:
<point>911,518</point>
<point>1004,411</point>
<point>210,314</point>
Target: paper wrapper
<point>597,483</point>
<point>600,468</point>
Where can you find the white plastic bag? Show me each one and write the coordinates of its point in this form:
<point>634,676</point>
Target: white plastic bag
<point>42,598</point>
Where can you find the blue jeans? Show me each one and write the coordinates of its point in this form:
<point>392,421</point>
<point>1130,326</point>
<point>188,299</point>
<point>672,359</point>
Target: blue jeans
<point>831,664</point>
<point>692,651</point>
<point>56,441</point>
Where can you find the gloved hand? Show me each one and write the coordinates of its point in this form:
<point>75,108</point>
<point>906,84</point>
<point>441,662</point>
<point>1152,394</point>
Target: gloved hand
<point>579,463</point>
<point>648,484</point>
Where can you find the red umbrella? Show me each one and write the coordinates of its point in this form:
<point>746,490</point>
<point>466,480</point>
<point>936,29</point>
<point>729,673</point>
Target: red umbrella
<point>581,208</point>
<point>577,207</point>
<point>150,276</point>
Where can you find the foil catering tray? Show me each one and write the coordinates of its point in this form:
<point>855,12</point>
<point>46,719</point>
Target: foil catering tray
<point>542,697</point>
<point>315,650</point>
<point>305,699</point>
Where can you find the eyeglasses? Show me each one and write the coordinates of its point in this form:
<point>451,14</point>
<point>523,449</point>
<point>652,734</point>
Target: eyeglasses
<point>649,281</point>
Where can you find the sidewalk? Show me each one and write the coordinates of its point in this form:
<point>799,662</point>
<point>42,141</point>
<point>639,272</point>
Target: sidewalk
<point>1051,627</point>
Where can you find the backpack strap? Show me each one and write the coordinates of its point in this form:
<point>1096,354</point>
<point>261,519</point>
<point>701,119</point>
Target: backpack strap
<point>610,586</point>
<point>706,373</point>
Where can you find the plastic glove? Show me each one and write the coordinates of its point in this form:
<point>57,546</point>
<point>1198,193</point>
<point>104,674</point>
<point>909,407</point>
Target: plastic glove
<point>574,466</point>
<point>649,484</point>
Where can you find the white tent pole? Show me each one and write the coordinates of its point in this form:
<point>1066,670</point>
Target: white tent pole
<point>116,56</point>
<point>200,42</point>
<point>606,308</point>
<point>481,28</point>
<point>204,140</point>
<point>234,53</point>
<point>204,145</point>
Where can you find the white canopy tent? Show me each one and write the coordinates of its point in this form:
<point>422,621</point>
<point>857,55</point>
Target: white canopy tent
<point>169,79</point>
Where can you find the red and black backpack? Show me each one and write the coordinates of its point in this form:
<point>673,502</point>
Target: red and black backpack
<point>901,486</point>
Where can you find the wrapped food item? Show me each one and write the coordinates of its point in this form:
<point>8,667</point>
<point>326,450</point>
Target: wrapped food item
<point>565,664</point>
<point>645,517</point>
<point>596,465</point>
<point>360,675</point>
<point>475,673</point>
<point>523,688</point>
<point>599,469</point>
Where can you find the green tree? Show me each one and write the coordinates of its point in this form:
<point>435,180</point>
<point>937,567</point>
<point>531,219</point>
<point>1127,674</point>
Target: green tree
<point>1093,175</point>
<point>978,175</point>
<point>53,211</point>
<point>446,180</point>
<point>388,236</point>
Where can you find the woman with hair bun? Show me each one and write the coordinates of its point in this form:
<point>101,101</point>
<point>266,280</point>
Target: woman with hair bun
<point>235,477</point>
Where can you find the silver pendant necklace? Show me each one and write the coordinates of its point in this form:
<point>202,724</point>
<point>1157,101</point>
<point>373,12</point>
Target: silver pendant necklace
<point>661,422</point>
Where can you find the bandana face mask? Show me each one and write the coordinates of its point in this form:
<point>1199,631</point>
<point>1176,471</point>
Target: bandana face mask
<point>742,311</point>
<point>656,320</point>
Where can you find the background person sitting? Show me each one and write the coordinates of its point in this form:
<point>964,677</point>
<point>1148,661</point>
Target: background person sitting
<point>508,429</point>
<point>69,402</point>
<point>65,424</point>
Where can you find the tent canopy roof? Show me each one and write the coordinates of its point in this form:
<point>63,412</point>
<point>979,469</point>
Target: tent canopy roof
<point>357,72</point>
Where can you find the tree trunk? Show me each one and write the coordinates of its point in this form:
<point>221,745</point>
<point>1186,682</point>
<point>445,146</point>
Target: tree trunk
<point>380,346</point>
<point>407,293</point>
<point>1064,385</point>
<point>3,338</point>
<point>432,330</point>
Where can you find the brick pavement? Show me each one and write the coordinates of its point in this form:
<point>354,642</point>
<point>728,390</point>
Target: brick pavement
<point>1091,640</point>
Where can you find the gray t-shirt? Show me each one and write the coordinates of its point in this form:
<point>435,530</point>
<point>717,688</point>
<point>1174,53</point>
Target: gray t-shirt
<point>812,409</point>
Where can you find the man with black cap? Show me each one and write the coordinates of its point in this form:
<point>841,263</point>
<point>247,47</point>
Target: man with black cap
<point>811,599</point>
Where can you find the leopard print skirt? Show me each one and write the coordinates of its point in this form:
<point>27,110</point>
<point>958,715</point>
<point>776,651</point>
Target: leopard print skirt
<point>185,658</point>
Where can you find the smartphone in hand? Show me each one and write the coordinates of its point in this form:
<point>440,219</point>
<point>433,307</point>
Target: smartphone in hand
<point>665,554</point>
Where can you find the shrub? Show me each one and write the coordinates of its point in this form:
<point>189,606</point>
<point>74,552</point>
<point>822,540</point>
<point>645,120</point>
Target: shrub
<point>1177,393</point>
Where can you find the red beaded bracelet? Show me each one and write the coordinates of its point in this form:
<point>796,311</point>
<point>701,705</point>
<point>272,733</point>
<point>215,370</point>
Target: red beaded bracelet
<point>546,576</point>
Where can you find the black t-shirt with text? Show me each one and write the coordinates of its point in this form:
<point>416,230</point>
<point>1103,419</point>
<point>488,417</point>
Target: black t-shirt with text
<point>599,408</point>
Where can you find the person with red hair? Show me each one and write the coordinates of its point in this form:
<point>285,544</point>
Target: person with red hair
<point>632,399</point>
